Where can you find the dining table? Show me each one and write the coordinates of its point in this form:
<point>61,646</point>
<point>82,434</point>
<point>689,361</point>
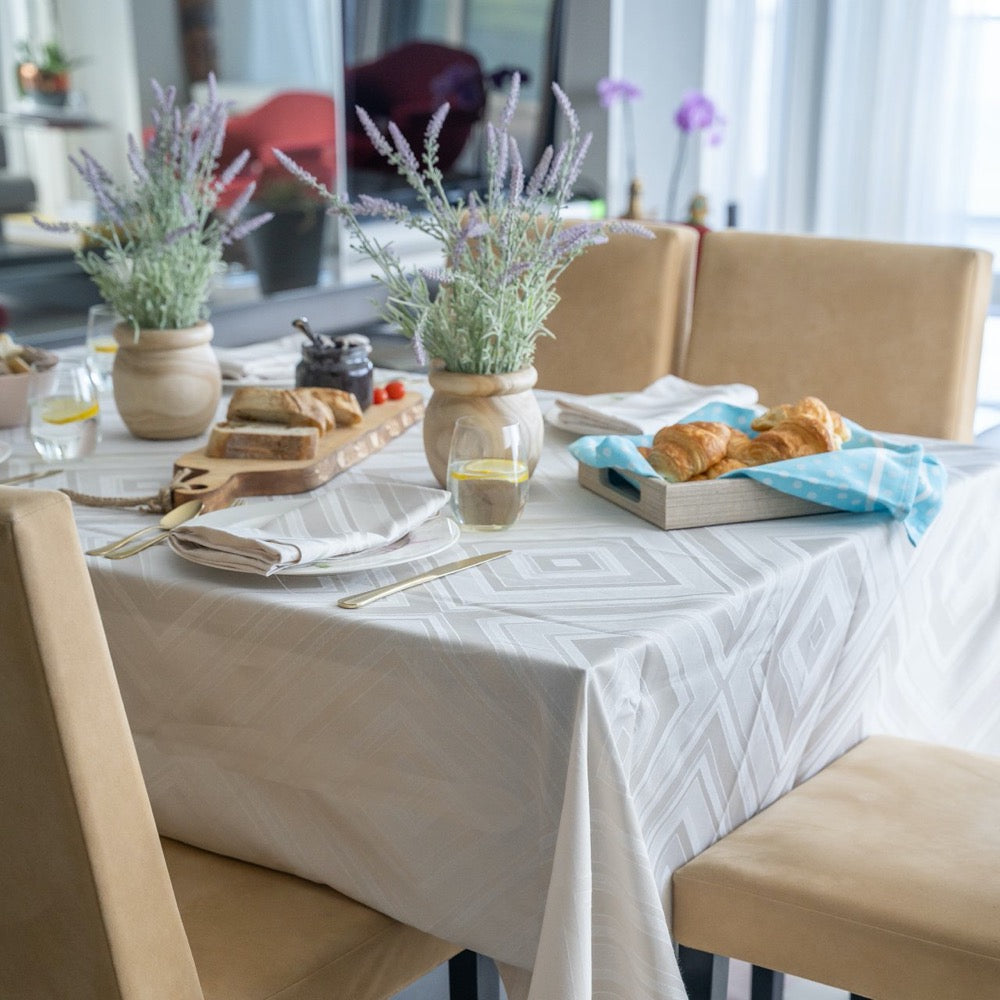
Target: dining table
<point>516,757</point>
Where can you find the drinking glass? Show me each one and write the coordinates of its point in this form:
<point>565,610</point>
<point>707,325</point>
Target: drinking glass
<point>63,412</point>
<point>101,344</point>
<point>487,474</point>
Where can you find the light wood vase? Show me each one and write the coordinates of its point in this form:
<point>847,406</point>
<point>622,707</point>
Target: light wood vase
<point>167,383</point>
<point>500,399</point>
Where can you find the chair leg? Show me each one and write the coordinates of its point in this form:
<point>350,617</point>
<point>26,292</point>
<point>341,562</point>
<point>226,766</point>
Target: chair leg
<point>472,977</point>
<point>706,976</point>
<point>766,984</point>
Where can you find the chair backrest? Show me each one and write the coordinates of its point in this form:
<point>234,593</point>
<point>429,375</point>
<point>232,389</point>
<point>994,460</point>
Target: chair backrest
<point>87,910</point>
<point>301,123</point>
<point>889,334</point>
<point>624,309</point>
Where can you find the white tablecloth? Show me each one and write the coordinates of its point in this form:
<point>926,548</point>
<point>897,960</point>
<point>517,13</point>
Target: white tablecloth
<point>517,757</point>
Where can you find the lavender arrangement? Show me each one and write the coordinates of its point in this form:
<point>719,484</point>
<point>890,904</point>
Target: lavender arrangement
<point>160,240</point>
<point>502,252</point>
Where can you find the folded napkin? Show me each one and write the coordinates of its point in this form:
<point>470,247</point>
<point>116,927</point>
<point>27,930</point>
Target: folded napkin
<point>341,521</point>
<point>666,401</point>
<point>869,473</point>
<point>267,362</point>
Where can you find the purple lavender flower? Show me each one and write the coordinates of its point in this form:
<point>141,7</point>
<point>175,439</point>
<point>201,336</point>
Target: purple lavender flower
<point>698,112</point>
<point>610,90</point>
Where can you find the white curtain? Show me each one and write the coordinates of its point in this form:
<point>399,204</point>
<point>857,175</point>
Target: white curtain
<point>848,117</point>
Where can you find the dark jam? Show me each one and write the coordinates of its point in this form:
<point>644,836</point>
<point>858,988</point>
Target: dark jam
<point>339,363</point>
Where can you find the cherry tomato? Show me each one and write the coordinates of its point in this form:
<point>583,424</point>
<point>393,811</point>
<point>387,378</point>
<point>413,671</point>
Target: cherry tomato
<point>395,390</point>
<point>379,395</point>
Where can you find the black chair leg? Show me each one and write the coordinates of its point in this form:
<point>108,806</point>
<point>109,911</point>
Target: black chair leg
<point>706,976</point>
<point>472,977</point>
<point>766,984</point>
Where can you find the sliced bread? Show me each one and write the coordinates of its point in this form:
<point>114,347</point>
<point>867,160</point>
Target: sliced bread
<point>256,440</point>
<point>280,406</point>
<point>344,405</point>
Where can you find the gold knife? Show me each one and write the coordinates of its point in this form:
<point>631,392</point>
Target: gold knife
<point>29,477</point>
<point>360,600</point>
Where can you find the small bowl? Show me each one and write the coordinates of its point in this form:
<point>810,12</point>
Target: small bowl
<point>14,396</point>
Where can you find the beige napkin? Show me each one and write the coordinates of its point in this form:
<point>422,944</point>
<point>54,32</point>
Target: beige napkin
<point>267,362</point>
<point>666,401</point>
<point>269,536</point>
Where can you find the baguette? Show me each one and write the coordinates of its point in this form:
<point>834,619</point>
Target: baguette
<point>291,407</point>
<point>344,405</point>
<point>255,440</point>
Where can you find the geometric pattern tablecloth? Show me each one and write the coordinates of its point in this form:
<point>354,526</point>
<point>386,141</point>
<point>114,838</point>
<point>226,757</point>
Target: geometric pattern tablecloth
<point>517,757</point>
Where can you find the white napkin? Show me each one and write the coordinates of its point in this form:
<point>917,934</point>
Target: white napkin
<point>666,401</point>
<point>267,537</point>
<point>267,362</point>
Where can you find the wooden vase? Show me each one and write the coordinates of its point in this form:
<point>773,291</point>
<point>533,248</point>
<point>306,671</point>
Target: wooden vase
<point>500,399</point>
<point>167,383</point>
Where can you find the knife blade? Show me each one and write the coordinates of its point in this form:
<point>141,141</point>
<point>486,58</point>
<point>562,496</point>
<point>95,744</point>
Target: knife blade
<point>29,477</point>
<point>360,600</point>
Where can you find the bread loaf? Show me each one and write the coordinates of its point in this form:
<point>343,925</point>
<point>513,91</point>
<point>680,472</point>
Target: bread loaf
<point>233,439</point>
<point>291,407</point>
<point>344,405</point>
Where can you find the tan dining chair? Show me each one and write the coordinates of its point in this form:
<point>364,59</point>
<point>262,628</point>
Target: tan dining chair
<point>94,905</point>
<point>879,875</point>
<point>889,334</point>
<point>624,308</point>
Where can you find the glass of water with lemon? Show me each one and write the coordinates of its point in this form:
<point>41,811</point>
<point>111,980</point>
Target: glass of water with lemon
<point>101,344</point>
<point>64,413</point>
<point>487,474</point>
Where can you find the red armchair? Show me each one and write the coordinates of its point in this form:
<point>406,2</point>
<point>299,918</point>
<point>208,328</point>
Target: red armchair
<point>406,86</point>
<point>298,122</point>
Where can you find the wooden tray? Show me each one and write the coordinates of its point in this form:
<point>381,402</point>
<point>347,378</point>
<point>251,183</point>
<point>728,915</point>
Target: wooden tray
<point>693,505</point>
<point>219,481</point>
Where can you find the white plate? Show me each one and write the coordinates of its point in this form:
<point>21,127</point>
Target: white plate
<point>433,536</point>
<point>5,450</point>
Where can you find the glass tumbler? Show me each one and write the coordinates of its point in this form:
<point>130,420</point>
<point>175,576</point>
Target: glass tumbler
<point>63,412</point>
<point>487,474</point>
<point>101,344</point>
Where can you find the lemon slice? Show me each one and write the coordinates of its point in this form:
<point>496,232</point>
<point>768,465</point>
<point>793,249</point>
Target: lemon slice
<point>105,347</point>
<point>492,468</point>
<point>67,410</point>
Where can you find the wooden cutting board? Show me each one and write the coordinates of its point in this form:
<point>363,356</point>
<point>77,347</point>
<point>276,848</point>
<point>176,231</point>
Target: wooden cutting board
<point>219,481</point>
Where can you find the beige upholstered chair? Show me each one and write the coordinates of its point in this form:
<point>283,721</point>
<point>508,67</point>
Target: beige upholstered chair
<point>90,910</point>
<point>889,334</point>
<point>624,307</point>
<point>879,875</point>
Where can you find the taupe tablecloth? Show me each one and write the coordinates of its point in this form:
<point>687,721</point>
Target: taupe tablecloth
<point>517,757</point>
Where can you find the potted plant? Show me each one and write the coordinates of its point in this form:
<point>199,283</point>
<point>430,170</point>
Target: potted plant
<point>43,73</point>
<point>478,317</point>
<point>286,252</point>
<point>153,257</point>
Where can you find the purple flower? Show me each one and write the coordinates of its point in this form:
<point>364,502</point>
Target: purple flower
<point>610,90</point>
<point>698,112</point>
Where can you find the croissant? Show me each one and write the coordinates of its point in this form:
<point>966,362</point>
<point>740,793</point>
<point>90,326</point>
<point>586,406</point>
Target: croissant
<point>721,467</point>
<point>792,438</point>
<point>681,451</point>
<point>808,406</point>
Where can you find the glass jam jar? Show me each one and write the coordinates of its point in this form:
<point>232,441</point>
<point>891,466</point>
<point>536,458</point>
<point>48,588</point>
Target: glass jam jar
<point>338,363</point>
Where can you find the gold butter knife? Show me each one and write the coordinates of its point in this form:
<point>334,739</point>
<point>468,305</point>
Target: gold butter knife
<point>360,600</point>
<point>29,477</point>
